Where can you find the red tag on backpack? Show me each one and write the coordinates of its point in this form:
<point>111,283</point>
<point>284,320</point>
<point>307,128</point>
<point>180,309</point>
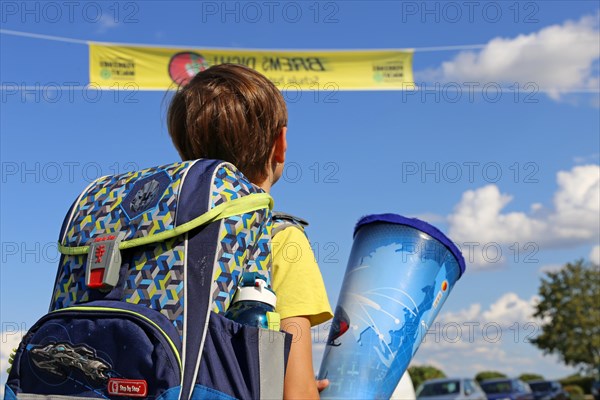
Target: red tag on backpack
<point>127,387</point>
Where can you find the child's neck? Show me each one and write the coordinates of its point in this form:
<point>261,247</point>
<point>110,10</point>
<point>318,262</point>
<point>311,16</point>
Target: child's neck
<point>268,182</point>
<point>265,185</point>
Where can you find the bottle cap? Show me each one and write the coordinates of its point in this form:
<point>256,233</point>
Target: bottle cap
<point>258,292</point>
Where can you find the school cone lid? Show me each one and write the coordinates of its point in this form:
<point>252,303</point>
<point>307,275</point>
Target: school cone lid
<point>416,224</point>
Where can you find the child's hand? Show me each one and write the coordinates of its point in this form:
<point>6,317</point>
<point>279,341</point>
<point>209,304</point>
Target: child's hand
<point>322,384</point>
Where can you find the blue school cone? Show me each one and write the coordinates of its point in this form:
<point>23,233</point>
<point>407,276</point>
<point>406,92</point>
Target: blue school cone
<point>400,272</point>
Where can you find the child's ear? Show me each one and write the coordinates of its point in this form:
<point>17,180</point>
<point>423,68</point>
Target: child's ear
<point>280,146</point>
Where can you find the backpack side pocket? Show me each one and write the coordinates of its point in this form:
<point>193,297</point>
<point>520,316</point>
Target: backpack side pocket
<point>242,361</point>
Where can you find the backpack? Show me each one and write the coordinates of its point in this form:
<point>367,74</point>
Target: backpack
<point>150,261</point>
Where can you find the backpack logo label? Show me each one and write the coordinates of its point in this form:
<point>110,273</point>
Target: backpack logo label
<point>100,250</point>
<point>145,194</point>
<point>127,387</point>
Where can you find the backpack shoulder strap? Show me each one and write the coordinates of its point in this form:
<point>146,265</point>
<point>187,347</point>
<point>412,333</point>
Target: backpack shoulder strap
<point>283,221</point>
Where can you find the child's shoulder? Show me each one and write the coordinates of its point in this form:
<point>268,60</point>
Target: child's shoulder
<point>282,221</point>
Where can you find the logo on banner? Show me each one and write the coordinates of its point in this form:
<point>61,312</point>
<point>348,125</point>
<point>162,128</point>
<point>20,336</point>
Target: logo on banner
<point>117,68</point>
<point>184,66</point>
<point>391,71</point>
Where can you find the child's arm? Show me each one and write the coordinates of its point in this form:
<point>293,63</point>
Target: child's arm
<point>299,377</point>
<point>302,302</point>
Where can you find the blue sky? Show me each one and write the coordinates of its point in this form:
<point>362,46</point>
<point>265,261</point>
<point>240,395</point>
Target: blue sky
<point>510,165</point>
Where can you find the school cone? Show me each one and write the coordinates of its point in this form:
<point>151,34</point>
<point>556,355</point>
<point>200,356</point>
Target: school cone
<point>400,272</point>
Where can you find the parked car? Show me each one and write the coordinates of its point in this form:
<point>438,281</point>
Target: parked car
<point>548,390</point>
<point>450,389</point>
<point>507,389</point>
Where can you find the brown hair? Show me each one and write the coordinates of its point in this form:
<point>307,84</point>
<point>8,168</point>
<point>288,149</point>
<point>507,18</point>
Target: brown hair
<point>228,112</point>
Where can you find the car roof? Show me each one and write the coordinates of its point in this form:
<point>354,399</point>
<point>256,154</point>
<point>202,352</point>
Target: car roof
<point>446,380</point>
<point>497,380</point>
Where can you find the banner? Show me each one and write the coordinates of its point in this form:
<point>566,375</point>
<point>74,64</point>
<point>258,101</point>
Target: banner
<point>156,68</point>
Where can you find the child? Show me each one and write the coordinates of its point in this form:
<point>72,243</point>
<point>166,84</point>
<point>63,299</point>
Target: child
<point>233,113</point>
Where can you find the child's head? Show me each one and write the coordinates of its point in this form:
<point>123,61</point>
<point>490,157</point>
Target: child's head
<point>232,113</point>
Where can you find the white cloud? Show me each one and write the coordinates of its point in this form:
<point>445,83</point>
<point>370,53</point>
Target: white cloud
<point>510,309</point>
<point>573,220</point>
<point>481,332</point>
<point>106,22</point>
<point>558,59</point>
<point>431,218</point>
<point>595,255</point>
<point>587,159</point>
<point>577,203</point>
<point>551,268</point>
<point>505,356</point>
<point>469,314</point>
<point>491,338</point>
<point>474,357</point>
<point>434,362</point>
<point>505,311</point>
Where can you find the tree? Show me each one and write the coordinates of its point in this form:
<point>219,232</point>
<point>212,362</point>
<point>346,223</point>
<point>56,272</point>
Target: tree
<point>422,373</point>
<point>530,377</point>
<point>482,376</point>
<point>581,381</point>
<point>570,315</point>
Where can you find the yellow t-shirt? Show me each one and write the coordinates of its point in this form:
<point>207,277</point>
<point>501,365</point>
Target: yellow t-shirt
<point>296,278</point>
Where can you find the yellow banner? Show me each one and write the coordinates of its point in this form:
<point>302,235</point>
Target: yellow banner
<point>155,68</point>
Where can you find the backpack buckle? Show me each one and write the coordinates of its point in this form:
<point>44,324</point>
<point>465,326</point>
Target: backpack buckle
<point>103,263</point>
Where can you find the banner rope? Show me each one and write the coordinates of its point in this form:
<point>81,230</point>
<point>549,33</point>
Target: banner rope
<point>43,37</point>
<point>80,41</point>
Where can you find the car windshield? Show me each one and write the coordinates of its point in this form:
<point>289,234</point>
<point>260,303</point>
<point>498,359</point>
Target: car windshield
<point>541,386</point>
<point>497,387</point>
<point>440,388</point>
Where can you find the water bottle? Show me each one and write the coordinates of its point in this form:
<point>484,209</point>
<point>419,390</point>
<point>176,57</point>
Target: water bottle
<point>254,303</point>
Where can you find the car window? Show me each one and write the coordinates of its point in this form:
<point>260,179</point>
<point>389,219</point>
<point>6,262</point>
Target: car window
<point>541,386</point>
<point>468,387</point>
<point>497,387</point>
<point>475,384</point>
<point>440,388</point>
<point>523,387</point>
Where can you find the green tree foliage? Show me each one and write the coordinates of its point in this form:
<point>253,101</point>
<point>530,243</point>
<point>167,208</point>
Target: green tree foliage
<point>569,309</point>
<point>582,381</point>
<point>482,376</point>
<point>575,392</point>
<point>422,373</point>
<point>530,377</point>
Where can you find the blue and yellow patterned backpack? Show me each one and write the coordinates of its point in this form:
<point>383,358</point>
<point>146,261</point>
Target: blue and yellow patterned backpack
<point>150,262</point>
